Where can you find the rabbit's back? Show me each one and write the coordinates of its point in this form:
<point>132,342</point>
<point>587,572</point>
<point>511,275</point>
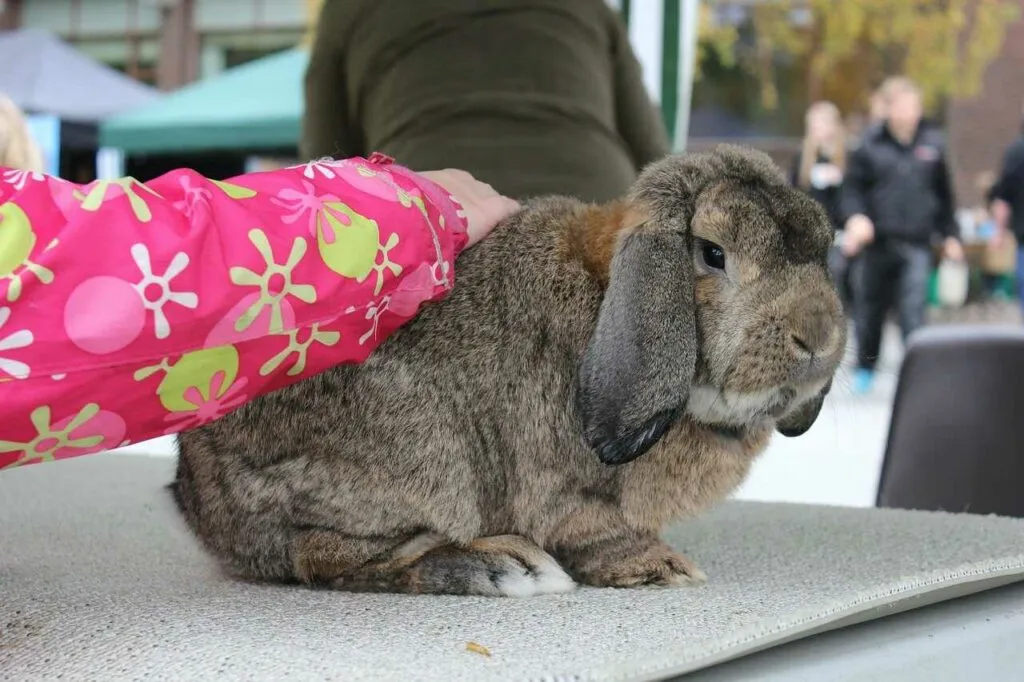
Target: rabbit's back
<point>429,432</point>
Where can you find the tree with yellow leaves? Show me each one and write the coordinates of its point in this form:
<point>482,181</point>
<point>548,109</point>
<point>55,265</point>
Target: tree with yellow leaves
<point>847,46</point>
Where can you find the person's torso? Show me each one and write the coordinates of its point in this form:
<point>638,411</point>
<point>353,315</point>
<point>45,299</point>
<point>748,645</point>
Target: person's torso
<point>825,193</point>
<point>518,92</point>
<point>904,202</point>
<point>1015,190</point>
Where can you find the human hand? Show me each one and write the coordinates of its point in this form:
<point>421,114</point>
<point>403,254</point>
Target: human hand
<point>830,174</point>
<point>999,238</point>
<point>483,207</point>
<point>1001,212</point>
<point>858,232</point>
<point>952,249</point>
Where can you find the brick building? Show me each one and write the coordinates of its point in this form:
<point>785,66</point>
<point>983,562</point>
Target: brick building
<point>167,43</point>
<point>980,128</point>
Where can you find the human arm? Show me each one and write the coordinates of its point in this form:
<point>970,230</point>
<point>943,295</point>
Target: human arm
<point>858,229</point>
<point>1011,175</point>
<point>856,185</point>
<point>328,129</point>
<point>946,224</point>
<point>1001,213</point>
<point>132,310</point>
<point>638,119</point>
<point>1004,193</point>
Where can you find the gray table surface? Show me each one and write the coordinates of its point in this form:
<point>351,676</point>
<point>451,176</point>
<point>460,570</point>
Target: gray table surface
<point>100,580</point>
<point>973,638</point>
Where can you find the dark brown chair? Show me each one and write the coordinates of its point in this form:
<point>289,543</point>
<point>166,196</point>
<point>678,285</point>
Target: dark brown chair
<point>956,439</point>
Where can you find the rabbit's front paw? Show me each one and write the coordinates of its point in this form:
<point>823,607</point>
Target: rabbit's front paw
<point>652,564</point>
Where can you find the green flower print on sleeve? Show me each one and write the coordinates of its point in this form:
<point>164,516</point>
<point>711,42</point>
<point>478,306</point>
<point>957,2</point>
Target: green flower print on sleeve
<point>90,430</point>
<point>234,191</point>
<point>102,190</point>
<point>299,343</point>
<point>201,386</point>
<point>275,283</point>
<point>17,241</point>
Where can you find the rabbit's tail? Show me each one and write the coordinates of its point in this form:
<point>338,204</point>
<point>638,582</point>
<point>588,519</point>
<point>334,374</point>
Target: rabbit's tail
<point>498,566</point>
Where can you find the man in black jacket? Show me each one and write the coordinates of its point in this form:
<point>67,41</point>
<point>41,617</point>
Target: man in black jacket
<point>1007,198</point>
<point>897,199</point>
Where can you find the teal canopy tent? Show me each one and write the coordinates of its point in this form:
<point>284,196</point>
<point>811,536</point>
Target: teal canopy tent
<point>256,106</point>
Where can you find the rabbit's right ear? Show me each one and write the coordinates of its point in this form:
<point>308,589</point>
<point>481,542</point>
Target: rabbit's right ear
<point>637,370</point>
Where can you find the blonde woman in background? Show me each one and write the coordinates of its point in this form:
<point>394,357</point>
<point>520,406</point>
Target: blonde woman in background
<point>819,170</point>
<point>18,151</point>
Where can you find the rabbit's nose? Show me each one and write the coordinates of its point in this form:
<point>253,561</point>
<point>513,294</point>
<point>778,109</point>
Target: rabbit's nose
<point>813,335</point>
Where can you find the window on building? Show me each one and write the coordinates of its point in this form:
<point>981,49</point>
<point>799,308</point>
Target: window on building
<point>728,99</point>
<point>144,72</point>
<point>237,56</point>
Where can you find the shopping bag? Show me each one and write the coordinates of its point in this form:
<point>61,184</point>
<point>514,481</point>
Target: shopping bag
<point>953,279</point>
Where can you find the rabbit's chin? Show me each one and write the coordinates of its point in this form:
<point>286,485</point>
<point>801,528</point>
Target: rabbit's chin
<point>712,406</point>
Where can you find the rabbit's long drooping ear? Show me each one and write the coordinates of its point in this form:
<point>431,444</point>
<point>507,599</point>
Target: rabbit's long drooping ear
<point>636,373</point>
<point>799,422</point>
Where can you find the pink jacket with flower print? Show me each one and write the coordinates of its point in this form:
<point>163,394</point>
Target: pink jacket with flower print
<point>131,310</point>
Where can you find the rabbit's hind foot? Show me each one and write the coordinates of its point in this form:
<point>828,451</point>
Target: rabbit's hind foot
<point>497,566</point>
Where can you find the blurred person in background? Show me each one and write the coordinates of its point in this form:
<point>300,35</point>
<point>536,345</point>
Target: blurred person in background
<point>533,97</point>
<point>978,222</point>
<point>1007,200</point>
<point>818,170</point>
<point>897,199</point>
<point>876,109</point>
<point>860,124</point>
<point>18,150</point>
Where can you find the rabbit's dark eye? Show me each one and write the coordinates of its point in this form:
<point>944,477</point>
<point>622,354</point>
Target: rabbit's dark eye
<point>714,255</point>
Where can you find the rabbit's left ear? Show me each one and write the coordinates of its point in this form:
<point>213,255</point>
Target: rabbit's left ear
<point>799,422</point>
<point>637,370</point>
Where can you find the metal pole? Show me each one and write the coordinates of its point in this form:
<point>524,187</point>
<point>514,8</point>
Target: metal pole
<point>689,24</point>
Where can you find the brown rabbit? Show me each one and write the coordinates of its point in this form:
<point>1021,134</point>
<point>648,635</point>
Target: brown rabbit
<point>471,453</point>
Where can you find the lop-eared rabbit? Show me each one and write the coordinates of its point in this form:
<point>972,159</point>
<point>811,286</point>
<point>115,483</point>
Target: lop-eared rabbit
<point>597,372</point>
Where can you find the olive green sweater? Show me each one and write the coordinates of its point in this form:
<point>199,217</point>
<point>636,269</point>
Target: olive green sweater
<point>532,96</point>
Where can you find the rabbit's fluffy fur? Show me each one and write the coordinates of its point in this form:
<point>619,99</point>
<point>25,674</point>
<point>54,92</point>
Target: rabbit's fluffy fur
<point>473,452</point>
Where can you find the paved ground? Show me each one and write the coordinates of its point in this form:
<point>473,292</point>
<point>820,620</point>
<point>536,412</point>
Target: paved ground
<point>838,461</point>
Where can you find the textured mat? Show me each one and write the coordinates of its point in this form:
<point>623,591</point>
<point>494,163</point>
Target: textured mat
<point>100,580</point>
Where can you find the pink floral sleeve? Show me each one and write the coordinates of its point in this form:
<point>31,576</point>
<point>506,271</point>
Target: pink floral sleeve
<point>131,310</point>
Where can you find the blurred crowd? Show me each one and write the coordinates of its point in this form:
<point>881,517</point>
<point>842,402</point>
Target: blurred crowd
<point>888,192</point>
